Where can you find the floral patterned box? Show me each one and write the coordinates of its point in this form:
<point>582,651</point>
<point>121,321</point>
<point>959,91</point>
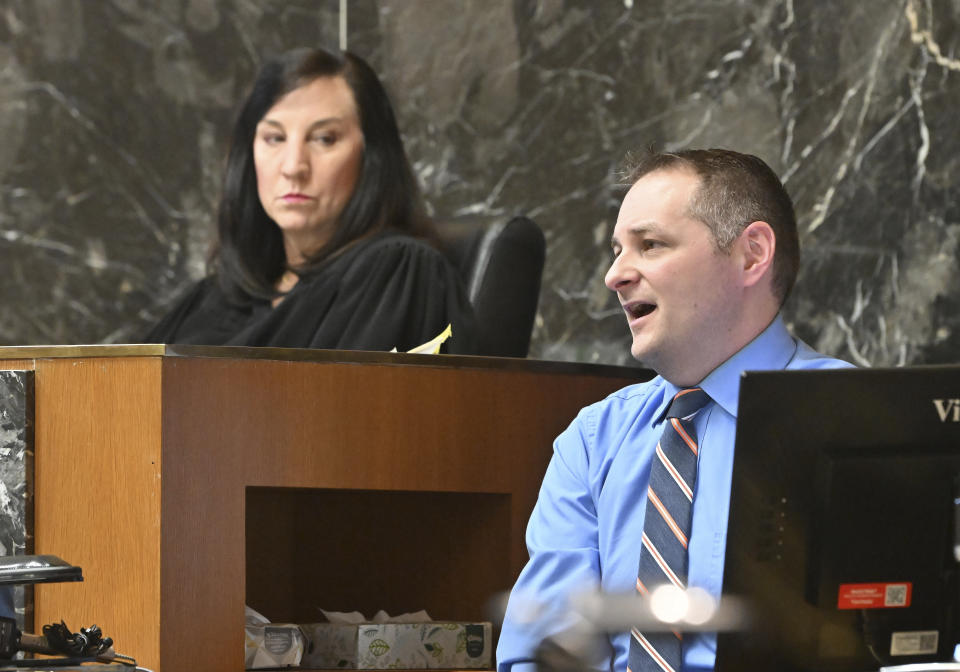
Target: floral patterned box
<point>378,646</point>
<point>273,645</point>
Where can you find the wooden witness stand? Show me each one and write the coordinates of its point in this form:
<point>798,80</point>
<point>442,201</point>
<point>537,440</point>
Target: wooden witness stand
<point>189,481</point>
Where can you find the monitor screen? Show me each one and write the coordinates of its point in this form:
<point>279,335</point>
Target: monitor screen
<point>843,519</point>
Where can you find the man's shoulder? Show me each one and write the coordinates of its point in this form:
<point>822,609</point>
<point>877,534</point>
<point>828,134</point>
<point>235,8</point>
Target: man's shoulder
<point>808,358</point>
<point>630,399</point>
<point>600,428</point>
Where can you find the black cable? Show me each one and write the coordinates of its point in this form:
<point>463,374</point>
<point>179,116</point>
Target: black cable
<point>88,642</point>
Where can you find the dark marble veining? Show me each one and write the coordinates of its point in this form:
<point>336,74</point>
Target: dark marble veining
<point>119,111</point>
<point>115,115</point>
<point>16,470</point>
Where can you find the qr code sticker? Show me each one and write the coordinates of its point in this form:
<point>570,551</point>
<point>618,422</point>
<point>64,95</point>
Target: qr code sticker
<point>896,595</point>
<point>918,643</point>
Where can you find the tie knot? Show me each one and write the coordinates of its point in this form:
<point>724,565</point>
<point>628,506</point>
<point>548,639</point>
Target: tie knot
<point>687,402</point>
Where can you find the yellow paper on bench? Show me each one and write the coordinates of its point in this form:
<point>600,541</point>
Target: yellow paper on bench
<point>432,347</point>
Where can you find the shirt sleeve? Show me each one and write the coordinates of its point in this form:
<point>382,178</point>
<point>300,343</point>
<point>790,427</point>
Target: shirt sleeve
<point>562,540</point>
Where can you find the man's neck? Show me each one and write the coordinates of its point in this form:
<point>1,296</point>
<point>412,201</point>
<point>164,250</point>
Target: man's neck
<point>694,375</point>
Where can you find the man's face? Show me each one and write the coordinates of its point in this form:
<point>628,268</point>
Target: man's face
<point>682,296</point>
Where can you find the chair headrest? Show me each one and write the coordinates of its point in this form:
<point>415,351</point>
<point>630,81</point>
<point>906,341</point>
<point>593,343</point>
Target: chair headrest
<point>472,243</point>
<point>501,263</point>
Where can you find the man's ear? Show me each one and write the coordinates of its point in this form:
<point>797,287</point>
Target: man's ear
<point>757,244</point>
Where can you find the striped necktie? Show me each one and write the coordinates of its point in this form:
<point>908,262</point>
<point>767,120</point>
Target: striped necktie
<point>666,527</point>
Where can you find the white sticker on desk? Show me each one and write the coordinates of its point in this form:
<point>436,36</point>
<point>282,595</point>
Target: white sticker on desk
<point>916,643</point>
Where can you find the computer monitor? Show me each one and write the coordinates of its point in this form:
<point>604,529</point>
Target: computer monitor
<point>843,529</point>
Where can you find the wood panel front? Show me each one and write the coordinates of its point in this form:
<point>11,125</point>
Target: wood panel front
<point>97,495</point>
<point>17,364</point>
<point>147,469</point>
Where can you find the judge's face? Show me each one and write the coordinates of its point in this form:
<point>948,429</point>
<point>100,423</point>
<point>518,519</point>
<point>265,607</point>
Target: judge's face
<point>679,292</point>
<point>308,149</point>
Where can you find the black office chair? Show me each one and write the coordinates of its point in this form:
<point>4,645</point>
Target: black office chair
<point>501,262</point>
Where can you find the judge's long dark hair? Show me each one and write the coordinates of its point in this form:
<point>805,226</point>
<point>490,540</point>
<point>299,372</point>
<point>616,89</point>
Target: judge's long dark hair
<point>248,255</point>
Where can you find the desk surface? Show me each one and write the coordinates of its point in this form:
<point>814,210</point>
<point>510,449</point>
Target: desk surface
<point>20,352</point>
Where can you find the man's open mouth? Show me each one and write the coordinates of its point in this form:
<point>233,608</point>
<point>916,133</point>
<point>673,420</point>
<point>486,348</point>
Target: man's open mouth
<point>637,310</point>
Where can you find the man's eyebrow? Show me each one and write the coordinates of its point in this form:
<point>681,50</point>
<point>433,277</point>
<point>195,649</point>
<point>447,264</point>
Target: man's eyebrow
<point>635,230</point>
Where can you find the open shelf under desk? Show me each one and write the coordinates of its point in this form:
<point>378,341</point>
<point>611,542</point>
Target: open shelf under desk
<point>363,550</point>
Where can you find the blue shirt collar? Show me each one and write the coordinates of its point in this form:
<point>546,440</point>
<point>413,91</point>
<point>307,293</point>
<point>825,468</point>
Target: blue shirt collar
<point>772,349</point>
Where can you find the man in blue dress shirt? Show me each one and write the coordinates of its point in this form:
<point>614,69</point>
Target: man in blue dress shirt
<point>705,251</point>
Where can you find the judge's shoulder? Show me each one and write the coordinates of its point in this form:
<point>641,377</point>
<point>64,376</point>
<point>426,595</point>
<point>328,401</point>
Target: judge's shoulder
<point>388,246</point>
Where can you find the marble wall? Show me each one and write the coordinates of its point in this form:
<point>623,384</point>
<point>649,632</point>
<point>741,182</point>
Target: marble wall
<point>16,475</point>
<point>114,115</point>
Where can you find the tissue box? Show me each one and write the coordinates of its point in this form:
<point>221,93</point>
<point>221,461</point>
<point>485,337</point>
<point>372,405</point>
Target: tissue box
<point>377,646</point>
<point>273,645</point>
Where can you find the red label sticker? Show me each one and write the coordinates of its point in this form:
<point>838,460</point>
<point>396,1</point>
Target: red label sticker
<point>874,595</point>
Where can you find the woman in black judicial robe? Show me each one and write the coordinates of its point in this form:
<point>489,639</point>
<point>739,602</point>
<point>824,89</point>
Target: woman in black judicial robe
<point>322,241</point>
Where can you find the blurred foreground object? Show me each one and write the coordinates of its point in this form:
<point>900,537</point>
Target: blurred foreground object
<point>582,646</point>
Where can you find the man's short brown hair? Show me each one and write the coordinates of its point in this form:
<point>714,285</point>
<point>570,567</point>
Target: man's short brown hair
<point>735,190</point>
